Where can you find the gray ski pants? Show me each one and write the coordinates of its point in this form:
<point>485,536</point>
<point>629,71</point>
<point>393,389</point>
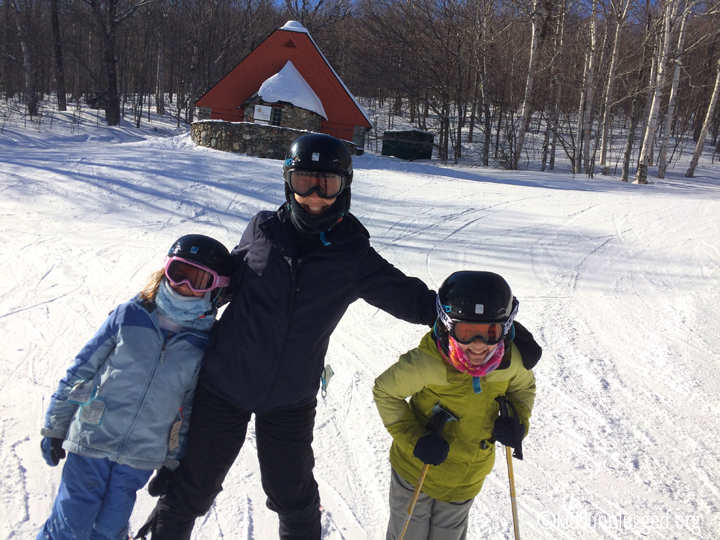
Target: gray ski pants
<point>431,519</point>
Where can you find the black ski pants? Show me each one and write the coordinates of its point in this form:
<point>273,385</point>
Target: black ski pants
<point>216,434</point>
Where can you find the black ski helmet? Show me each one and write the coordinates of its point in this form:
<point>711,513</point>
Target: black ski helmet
<point>476,297</point>
<point>319,153</point>
<point>203,250</point>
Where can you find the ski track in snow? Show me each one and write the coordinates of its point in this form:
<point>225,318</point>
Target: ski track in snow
<point>619,283</point>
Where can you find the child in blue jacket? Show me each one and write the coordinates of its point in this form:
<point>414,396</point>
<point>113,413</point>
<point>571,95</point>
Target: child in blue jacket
<point>122,410</point>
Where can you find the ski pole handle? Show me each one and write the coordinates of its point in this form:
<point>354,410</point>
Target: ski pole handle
<point>517,425</point>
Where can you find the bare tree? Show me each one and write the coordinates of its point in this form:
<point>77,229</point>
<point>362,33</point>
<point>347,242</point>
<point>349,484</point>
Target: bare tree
<point>620,11</point>
<point>22,16</point>
<point>669,18</point>
<point>58,50</point>
<point>706,125</point>
<point>589,91</point>
<point>108,15</point>
<point>525,113</point>
<point>550,144</point>
<point>662,158</point>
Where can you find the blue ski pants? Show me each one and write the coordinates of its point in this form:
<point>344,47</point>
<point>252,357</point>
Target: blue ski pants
<point>94,501</point>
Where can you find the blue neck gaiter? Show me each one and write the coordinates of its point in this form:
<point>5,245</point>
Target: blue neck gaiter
<point>189,311</point>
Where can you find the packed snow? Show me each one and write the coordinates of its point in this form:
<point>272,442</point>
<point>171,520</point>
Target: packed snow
<point>619,283</point>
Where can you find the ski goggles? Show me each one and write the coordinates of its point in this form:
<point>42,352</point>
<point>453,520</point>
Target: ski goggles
<point>467,332</point>
<point>326,185</point>
<point>197,277</point>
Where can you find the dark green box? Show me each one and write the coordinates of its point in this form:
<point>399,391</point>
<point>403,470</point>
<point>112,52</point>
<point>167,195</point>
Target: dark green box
<point>408,144</point>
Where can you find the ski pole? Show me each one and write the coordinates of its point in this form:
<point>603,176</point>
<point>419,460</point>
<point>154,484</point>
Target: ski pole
<point>414,499</point>
<point>436,423</point>
<point>511,479</point>
<point>504,413</point>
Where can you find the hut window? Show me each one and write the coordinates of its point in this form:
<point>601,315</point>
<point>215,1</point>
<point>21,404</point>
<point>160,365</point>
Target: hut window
<point>276,117</point>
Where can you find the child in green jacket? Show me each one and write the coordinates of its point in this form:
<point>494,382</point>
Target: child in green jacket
<point>472,356</point>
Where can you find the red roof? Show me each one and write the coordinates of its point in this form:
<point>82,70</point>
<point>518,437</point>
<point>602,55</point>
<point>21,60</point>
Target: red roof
<point>228,95</point>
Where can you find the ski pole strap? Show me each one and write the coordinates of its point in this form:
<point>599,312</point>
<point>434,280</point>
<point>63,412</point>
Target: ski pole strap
<point>519,432</point>
<point>148,527</point>
<point>517,424</point>
<point>327,374</point>
<point>439,418</point>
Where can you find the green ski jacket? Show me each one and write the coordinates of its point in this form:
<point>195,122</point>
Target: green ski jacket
<point>423,376</point>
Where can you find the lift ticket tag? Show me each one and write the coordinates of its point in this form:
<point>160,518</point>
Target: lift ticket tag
<point>92,413</point>
<point>174,435</point>
<point>81,392</point>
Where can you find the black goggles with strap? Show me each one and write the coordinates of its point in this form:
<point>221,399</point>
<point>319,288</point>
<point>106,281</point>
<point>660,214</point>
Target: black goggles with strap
<point>326,185</point>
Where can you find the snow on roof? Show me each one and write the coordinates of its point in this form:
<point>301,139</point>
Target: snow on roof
<point>294,26</point>
<point>289,86</point>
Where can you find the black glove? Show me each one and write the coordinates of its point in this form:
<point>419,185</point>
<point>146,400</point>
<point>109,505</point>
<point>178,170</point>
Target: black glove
<point>159,482</point>
<point>431,449</point>
<point>52,450</point>
<point>507,432</point>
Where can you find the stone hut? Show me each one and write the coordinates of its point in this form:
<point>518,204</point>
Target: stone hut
<point>281,90</point>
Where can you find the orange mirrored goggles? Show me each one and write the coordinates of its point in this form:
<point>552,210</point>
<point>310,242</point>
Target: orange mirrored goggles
<point>467,332</point>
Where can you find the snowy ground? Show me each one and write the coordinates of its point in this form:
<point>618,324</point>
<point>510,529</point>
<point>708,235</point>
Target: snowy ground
<point>620,284</point>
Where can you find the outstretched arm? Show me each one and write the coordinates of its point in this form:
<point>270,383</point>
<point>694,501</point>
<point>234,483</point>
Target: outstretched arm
<point>387,288</point>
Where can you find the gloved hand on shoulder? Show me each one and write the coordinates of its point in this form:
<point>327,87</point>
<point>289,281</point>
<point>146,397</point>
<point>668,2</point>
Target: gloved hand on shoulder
<point>159,482</point>
<point>431,449</point>
<point>52,450</point>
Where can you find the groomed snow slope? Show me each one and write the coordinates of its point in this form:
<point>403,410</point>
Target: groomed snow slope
<point>620,284</point>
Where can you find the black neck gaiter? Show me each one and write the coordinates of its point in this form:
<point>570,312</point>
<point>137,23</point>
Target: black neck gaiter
<point>307,224</point>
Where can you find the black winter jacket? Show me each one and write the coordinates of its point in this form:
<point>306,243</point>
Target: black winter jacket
<point>269,346</point>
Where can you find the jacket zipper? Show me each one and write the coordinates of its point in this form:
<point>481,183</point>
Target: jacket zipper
<point>144,395</point>
<point>159,360</point>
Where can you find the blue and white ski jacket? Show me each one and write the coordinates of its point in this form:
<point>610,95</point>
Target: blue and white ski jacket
<point>145,383</point>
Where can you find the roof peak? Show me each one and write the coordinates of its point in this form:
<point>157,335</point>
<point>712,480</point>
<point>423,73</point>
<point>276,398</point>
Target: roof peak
<point>295,26</point>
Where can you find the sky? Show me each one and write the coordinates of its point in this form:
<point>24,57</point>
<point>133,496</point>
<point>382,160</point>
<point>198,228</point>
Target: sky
<point>618,282</point>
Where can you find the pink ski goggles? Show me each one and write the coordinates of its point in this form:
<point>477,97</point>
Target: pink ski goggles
<point>196,276</point>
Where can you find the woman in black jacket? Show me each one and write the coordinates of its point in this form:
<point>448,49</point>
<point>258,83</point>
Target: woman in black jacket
<point>296,272</point>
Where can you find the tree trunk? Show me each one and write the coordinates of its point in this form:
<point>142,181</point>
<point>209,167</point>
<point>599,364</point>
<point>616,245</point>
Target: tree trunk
<point>649,94</point>
<point>160,86</point>
<point>31,99</point>
<point>577,150</point>
<point>105,15</point>
<point>59,65</point>
<point>703,132</point>
<point>663,54</point>
<point>662,158</point>
<point>629,143</point>
<point>590,90</point>
<point>473,112</point>
<point>192,93</point>
<point>524,115</point>
<point>550,144</point>
<point>607,116</point>
<point>488,135</point>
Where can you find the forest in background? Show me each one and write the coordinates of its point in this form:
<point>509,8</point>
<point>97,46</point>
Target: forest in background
<point>609,83</point>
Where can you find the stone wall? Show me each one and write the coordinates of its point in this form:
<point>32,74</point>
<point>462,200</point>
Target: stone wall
<point>292,117</point>
<point>260,140</point>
